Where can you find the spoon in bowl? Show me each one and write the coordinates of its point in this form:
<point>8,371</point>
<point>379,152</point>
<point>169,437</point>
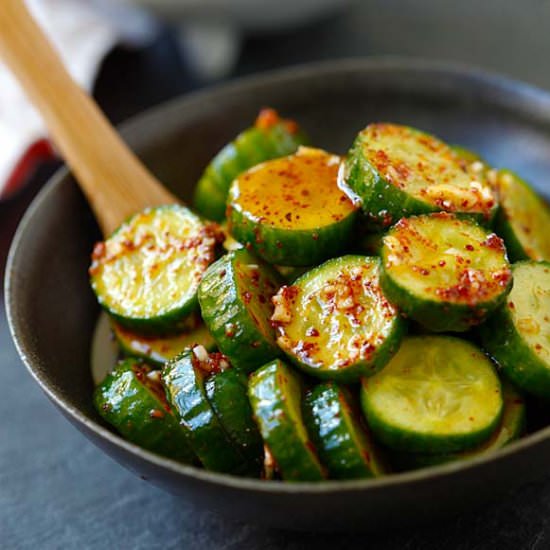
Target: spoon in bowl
<point>113,179</point>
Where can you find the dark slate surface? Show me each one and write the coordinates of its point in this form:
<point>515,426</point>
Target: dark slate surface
<point>58,491</point>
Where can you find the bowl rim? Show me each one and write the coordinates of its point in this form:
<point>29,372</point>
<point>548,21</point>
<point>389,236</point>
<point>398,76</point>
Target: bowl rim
<point>538,100</point>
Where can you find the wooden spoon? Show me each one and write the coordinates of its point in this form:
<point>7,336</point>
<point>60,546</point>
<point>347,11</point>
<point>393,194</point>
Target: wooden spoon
<point>114,181</point>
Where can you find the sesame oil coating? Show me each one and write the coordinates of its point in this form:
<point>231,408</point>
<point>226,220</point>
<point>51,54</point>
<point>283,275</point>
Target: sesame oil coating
<point>397,171</point>
<point>147,273</point>
<point>335,321</point>
<point>295,192</point>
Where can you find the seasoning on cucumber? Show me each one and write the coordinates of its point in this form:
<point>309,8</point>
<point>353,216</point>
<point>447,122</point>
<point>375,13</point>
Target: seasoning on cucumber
<point>132,400</point>
<point>511,427</point>
<point>339,433</point>
<point>334,322</point>
<point>438,394</point>
<point>446,273</point>
<point>184,380</point>
<point>518,334</point>
<point>235,299</point>
<point>276,393</point>
<point>290,211</point>
<point>523,219</point>
<point>395,171</point>
<point>269,138</point>
<point>146,275</point>
<point>157,350</point>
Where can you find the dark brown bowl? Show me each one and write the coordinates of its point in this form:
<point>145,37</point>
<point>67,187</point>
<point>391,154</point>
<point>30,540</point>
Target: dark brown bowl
<point>52,311</point>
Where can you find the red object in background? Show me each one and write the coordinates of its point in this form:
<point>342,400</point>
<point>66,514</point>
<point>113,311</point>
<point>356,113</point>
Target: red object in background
<point>37,153</point>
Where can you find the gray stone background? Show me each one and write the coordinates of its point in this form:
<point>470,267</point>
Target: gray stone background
<point>58,491</point>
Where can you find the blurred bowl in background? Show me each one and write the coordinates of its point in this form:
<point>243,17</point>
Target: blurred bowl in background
<point>211,30</point>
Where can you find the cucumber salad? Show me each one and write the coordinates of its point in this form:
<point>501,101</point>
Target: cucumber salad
<point>314,316</point>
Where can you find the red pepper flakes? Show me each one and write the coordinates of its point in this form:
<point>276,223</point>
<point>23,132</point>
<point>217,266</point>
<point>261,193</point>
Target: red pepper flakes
<point>247,296</point>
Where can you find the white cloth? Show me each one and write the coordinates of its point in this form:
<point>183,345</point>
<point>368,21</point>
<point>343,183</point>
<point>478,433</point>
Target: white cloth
<point>83,34</point>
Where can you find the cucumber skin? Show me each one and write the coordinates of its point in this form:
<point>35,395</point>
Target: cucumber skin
<point>249,148</point>
<point>222,306</point>
<point>410,461</point>
<point>355,371</point>
<point>335,430</point>
<point>384,203</point>
<point>438,316</point>
<point>132,417</point>
<point>519,363</point>
<point>300,248</point>
<point>227,393</point>
<point>185,391</point>
<point>269,390</point>
<point>401,440</point>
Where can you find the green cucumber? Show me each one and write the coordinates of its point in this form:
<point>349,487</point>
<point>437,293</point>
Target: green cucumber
<point>396,171</point>
<point>146,275</point>
<point>523,219</point>
<point>269,138</point>
<point>184,380</point>
<point>334,322</point>
<point>227,392</point>
<point>335,424</point>
<point>518,334</point>
<point>439,394</point>
<point>235,299</point>
<point>132,400</point>
<point>156,350</point>
<point>446,273</point>
<point>511,428</point>
<point>275,393</point>
<point>290,211</point>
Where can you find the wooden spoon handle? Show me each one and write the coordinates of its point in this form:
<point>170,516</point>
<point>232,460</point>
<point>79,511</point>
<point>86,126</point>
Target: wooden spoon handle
<point>115,182</point>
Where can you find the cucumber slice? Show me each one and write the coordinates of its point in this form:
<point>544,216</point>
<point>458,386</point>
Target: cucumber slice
<point>518,335</point>
<point>290,211</point>
<point>146,275</point>
<point>275,393</point>
<point>438,394</point>
<point>227,392</point>
<point>396,171</point>
<point>523,219</point>
<point>184,381</point>
<point>344,444</point>
<point>334,322</point>
<point>511,428</point>
<point>269,138</point>
<point>235,299</point>
<point>445,273</point>
<point>132,400</point>
<point>157,350</point>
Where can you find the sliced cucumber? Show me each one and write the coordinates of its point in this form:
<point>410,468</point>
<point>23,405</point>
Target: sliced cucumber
<point>184,381</point>
<point>275,393</point>
<point>445,273</point>
<point>518,335</point>
<point>344,444</point>
<point>156,350</point>
<point>290,211</point>
<point>132,400</point>
<point>396,171</point>
<point>334,322</point>
<point>511,428</point>
<point>146,275</point>
<point>269,138</point>
<point>523,219</point>
<point>227,392</point>
<point>235,298</point>
<point>438,394</point>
